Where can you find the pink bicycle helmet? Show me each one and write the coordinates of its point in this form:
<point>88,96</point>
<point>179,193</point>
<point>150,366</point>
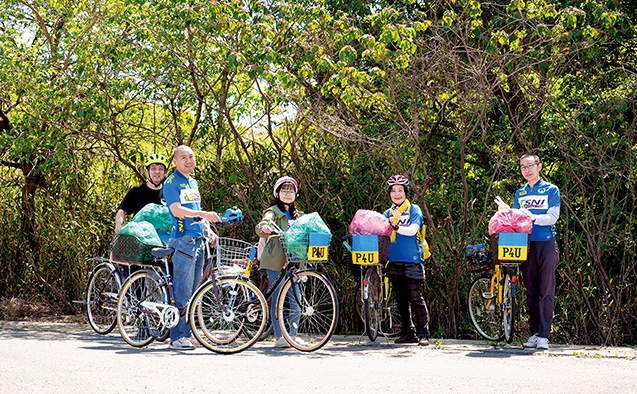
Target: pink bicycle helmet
<point>397,180</point>
<point>283,180</point>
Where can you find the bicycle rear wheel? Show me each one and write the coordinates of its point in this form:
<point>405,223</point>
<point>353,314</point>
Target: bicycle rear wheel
<point>139,324</point>
<point>372,303</point>
<point>307,309</point>
<point>508,309</point>
<point>484,312</point>
<point>103,288</point>
<point>231,323</point>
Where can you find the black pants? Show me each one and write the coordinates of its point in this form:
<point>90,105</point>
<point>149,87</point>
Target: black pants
<point>539,278</point>
<point>409,297</point>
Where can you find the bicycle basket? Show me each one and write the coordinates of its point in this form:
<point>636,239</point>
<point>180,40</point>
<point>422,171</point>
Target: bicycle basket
<point>128,249</point>
<point>370,249</point>
<point>477,258</point>
<point>311,247</point>
<point>234,254</point>
<point>510,248</point>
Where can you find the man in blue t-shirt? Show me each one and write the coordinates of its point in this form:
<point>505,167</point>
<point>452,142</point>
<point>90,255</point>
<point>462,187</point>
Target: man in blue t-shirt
<point>541,201</point>
<point>182,197</point>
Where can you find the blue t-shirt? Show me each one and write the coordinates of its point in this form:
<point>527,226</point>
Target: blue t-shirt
<point>538,199</point>
<point>185,191</point>
<point>408,249</point>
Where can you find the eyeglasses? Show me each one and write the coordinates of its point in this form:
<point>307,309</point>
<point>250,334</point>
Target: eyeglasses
<point>524,168</point>
<point>287,191</point>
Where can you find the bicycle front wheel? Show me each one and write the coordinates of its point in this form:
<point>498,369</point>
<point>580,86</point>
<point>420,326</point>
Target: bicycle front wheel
<point>508,309</point>
<point>138,322</point>
<point>372,302</point>
<point>101,298</point>
<point>307,310</point>
<point>232,322</point>
<point>484,311</point>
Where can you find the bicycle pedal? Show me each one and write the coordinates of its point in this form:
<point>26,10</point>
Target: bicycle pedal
<point>487,295</point>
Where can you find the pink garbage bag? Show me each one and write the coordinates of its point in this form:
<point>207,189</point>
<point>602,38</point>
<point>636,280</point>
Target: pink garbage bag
<point>510,221</point>
<point>367,222</point>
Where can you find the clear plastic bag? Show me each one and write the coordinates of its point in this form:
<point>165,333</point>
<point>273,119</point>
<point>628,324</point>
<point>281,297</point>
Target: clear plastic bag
<point>366,222</point>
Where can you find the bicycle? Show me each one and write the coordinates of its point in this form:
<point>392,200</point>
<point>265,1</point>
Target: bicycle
<point>378,305</point>
<point>102,292</point>
<point>230,320</point>
<point>307,307</point>
<point>496,298</point>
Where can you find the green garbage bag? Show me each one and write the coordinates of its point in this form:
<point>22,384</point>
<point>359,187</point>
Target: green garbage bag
<point>157,215</point>
<point>144,231</point>
<point>297,235</point>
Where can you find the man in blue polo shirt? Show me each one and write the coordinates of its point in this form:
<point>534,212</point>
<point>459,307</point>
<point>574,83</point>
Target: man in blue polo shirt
<point>541,201</point>
<point>182,197</point>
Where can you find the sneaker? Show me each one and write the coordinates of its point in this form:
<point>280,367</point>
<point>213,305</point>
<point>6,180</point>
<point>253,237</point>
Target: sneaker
<point>542,343</point>
<point>423,341</point>
<point>532,342</point>
<point>410,337</point>
<point>281,342</point>
<point>182,344</point>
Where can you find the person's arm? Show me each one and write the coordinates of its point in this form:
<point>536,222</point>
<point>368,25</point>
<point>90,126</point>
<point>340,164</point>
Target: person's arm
<point>408,231</point>
<point>119,220</point>
<point>264,228</point>
<point>553,213</point>
<point>180,211</point>
<point>549,218</point>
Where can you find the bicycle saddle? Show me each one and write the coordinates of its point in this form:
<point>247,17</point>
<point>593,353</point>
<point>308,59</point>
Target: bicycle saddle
<point>160,253</point>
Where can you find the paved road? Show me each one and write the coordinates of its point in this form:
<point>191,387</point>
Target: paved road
<point>70,358</point>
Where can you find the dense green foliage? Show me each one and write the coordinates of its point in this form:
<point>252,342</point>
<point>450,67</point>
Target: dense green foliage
<point>340,95</point>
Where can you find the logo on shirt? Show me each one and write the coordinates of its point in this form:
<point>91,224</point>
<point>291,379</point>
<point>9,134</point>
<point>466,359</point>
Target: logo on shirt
<point>523,193</point>
<point>189,196</point>
<point>403,220</point>
<point>534,202</point>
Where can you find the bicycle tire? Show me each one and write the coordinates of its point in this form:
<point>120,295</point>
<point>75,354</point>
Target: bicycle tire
<point>508,309</point>
<point>484,312</point>
<point>318,313</point>
<point>390,321</point>
<point>372,303</point>
<point>241,325</point>
<point>521,307</point>
<point>136,323</point>
<point>260,279</point>
<point>102,291</point>
<point>165,333</point>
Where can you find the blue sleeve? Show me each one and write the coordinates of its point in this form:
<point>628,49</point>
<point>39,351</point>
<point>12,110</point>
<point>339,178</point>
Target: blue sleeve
<point>554,197</point>
<point>171,191</point>
<point>416,215</point>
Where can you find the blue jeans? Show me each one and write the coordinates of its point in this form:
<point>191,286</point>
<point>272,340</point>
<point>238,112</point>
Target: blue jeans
<point>188,260</point>
<point>295,314</point>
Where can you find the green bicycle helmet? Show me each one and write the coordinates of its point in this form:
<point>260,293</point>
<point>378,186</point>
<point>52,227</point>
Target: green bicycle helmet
<point>155,158</point>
